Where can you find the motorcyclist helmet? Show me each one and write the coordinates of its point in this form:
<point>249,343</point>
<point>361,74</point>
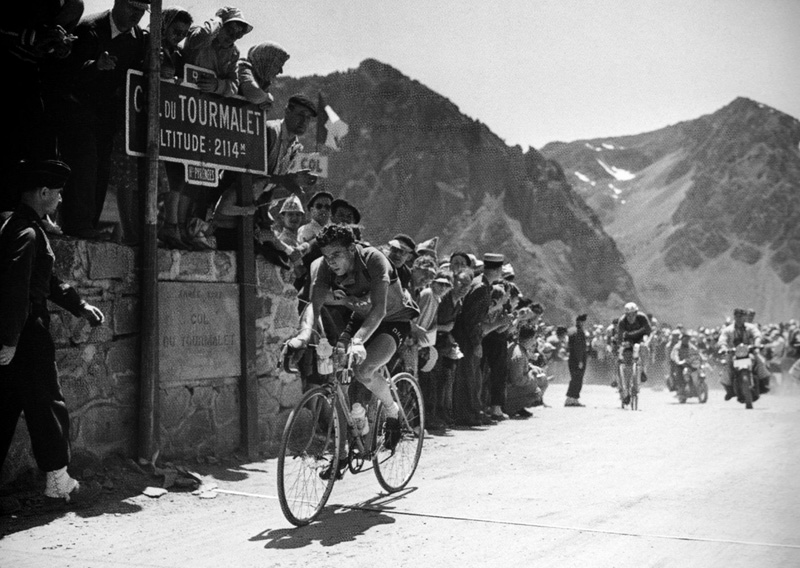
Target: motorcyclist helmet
<point>631,308</point>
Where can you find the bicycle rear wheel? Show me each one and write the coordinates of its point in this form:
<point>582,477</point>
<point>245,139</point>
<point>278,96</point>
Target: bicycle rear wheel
<point>394,469</point>
<point>309,445</point>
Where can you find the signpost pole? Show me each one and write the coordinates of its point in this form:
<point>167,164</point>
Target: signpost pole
<point>246,268</point>
<point>148,443</point>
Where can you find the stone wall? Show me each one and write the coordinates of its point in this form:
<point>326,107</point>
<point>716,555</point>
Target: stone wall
<point>99,367</point>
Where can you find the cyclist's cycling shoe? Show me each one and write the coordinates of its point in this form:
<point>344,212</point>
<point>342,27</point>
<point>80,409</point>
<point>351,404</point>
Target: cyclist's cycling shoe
<point>391,433</point>
<point>326,473</point>
<point>627,399</point>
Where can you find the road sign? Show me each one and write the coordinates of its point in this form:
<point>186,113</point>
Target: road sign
<point>316,163</point>
<point>198,129</point>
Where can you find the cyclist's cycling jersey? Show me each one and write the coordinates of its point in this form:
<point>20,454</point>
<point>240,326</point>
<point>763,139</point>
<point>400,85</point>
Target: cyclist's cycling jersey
<point>370,265</point>
<point>636,331</point>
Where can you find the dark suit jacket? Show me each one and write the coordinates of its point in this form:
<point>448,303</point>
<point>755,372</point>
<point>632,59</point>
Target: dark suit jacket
<point>103,91</point>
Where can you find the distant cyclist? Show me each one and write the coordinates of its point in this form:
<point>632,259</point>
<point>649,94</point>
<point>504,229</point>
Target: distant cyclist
<point>633,331</point>
<point>382,310</point>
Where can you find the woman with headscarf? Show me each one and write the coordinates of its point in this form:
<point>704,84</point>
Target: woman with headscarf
<point>175,24</point>
<point>263,63</point>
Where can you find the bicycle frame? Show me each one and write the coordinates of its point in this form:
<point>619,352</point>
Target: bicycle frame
<point>359,447</point>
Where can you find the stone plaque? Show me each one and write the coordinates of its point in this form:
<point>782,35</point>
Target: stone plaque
<point>199,331</point>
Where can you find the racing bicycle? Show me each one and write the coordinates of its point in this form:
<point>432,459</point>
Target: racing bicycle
<point>321,439</point>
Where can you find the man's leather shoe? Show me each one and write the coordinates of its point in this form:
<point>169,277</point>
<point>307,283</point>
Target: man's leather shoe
<point>84,495</point>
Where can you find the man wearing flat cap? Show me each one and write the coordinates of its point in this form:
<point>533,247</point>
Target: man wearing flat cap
<point>401,249</point>
<point>283,146</point>
<point>28,376</point>
<point>576,360</point>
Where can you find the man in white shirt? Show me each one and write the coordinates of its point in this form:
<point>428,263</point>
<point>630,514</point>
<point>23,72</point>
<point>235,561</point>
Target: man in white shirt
<point>319,207</point>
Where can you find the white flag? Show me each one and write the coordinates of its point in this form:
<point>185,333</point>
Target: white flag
<point>336,127</point>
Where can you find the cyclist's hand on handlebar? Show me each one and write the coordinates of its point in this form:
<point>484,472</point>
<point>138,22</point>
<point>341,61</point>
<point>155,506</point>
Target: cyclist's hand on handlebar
<point>295,344</point>
<point>291,353</point>
<point>358,351</point>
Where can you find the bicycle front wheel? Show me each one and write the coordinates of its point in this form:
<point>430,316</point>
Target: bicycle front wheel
<point>309,446</point>
<point>394,469</point>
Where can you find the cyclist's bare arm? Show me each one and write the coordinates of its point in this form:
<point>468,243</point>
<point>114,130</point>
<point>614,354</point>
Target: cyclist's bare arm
<point>319,295</point>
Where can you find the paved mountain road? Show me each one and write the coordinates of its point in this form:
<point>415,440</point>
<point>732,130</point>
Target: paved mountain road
<point>671,485</point>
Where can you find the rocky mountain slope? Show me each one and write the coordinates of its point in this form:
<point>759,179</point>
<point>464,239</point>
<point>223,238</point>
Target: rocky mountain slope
<point>706,212</point>
<point>413,163</point>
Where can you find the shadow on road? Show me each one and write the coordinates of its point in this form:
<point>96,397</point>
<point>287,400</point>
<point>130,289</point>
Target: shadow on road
<point>336,524</point>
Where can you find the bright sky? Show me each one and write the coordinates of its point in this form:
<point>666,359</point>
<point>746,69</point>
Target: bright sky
<point>537,71</point>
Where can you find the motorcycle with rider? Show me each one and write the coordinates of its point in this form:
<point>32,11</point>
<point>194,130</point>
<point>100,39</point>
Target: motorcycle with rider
<point>690,375</point>
<point>746,372</point>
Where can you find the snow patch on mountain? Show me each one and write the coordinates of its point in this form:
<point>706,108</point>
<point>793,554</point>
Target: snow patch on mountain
<point>618,173</point>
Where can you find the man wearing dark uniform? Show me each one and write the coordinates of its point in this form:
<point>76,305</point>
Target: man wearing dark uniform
<point>578,355</point>
<point>28,374</point>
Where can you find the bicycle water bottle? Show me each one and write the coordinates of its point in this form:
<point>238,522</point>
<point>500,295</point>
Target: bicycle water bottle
<point>359,415</point>
<point>324,362</point>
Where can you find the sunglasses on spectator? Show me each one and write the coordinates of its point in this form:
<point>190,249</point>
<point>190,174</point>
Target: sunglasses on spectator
<point>322,206</point>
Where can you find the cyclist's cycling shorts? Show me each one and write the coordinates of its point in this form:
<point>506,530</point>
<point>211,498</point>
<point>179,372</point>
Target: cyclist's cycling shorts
<point>398,330</point>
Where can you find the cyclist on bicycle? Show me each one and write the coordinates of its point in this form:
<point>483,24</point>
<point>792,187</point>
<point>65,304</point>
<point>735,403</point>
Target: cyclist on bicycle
<point>633,330</point>
<point>381,315</point>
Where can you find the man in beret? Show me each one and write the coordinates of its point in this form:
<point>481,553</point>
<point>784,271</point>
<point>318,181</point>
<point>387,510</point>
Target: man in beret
<point>28,375</point>
<point>576,361</point>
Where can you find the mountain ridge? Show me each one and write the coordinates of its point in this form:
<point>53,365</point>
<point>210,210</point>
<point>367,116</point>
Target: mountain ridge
<point>716,194</point>
<point>414,163</point>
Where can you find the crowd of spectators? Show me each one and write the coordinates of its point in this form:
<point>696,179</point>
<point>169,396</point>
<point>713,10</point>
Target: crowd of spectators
<point>70,73</point>
<point>480,348</point>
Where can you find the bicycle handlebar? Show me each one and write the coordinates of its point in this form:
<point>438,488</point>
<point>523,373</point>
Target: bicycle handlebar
<point>290,356</point>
